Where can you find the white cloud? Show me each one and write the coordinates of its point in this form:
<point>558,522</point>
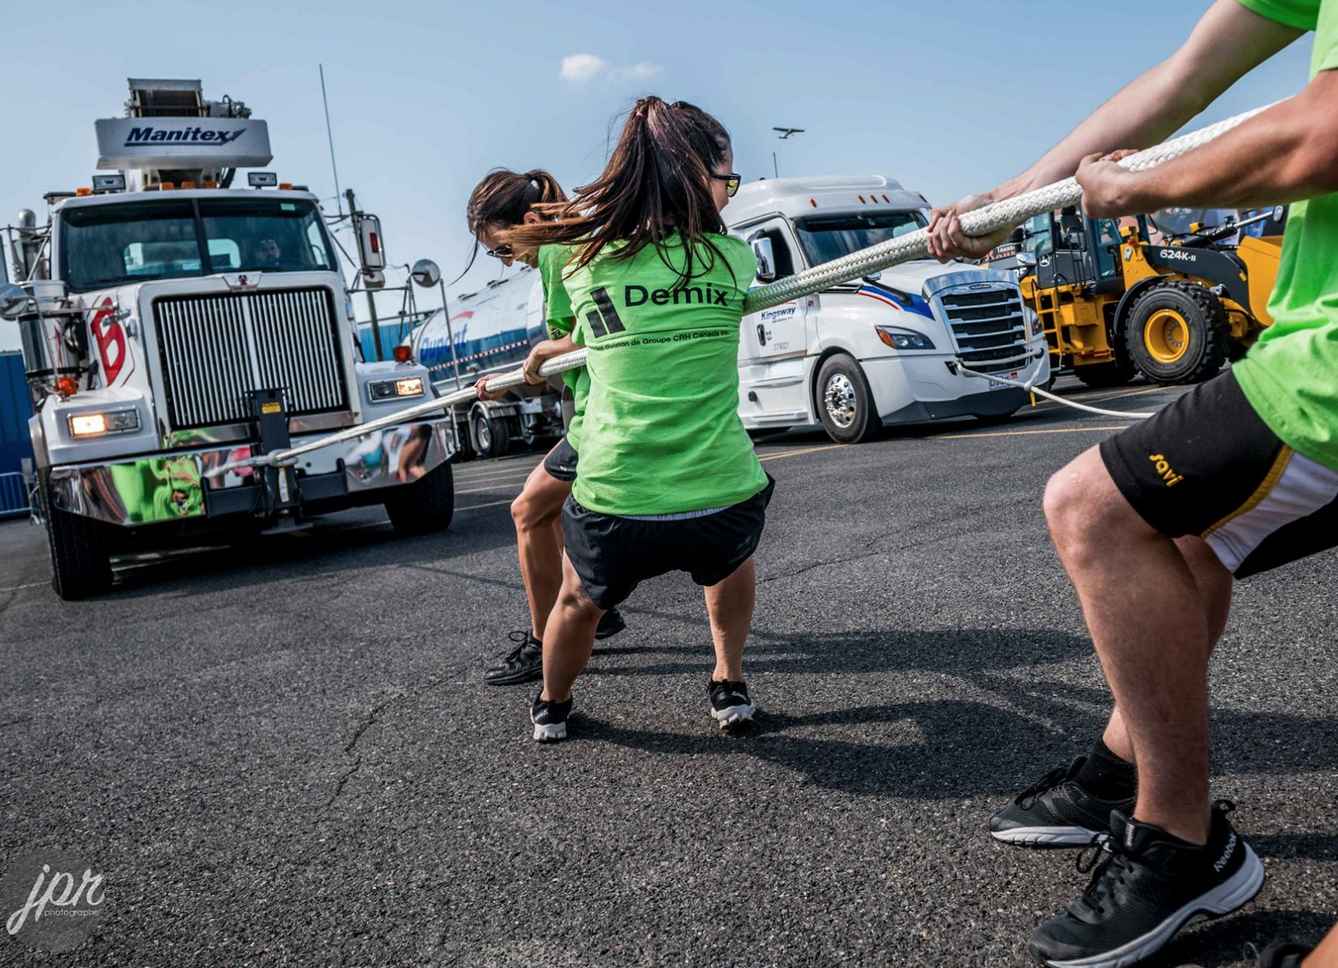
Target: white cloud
<point>583,68</point>
<point>579,68</point>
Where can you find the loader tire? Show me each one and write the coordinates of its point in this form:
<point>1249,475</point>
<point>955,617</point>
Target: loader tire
<point>1177,332</point>
<point>1099,375</point>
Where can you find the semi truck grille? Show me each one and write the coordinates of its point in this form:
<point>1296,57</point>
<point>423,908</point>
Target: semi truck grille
<point>989,327</point>
<point>215,348</point>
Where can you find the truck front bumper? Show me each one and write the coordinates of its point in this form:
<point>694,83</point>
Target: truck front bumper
<point>178,485</point>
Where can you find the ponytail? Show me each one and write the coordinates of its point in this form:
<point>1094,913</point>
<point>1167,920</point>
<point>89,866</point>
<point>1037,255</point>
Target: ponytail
<point>657,183</point>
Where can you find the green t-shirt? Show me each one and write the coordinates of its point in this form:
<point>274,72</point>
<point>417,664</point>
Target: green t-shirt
<point>1290,376</point>
<point>560,321</point>
<point>662,432</point>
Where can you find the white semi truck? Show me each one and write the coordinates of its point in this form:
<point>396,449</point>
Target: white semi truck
<point>173,325</point>
<point>881,350</point>
<point>876,352</point>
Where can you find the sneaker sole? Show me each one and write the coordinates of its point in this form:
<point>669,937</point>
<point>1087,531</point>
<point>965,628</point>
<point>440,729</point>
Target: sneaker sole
<point>733,715</point>
<point>1226,897</point>
<point>1048,836</point>
<point>549,732</point>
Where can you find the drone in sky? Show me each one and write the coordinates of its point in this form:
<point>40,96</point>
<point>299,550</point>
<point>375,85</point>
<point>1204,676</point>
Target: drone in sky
<point>786,132</point>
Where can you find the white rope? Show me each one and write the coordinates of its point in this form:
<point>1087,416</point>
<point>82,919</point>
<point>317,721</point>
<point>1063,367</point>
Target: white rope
<point>1030,386</point>
<point>856,265</point>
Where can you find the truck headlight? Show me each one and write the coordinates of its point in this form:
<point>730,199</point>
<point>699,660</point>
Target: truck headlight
<point>410,386</point>
<point>95,424</point>
<point>903,339</point>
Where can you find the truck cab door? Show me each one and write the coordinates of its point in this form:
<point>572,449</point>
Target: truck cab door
<point>779,332</point>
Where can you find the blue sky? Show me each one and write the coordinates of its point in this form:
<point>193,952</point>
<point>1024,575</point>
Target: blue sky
<point>948,96</point>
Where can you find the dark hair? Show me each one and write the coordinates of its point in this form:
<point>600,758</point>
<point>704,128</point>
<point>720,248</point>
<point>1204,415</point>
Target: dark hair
<point>503,198</point>
<point>657,183</point>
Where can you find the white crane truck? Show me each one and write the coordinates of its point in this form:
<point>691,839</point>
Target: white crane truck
<point>173,325</point>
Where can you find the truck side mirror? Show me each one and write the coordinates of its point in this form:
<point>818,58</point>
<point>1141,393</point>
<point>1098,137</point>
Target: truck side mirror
<point>766,259</point>
<point>13,301</point>
<point>1027,260</point>
<point>370,248</point>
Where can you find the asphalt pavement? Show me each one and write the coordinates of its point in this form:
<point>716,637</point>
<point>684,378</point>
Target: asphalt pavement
<point>281,752</point>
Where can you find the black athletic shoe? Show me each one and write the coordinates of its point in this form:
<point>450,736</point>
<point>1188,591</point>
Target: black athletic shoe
<point>730,704</point>
<point>1056,812</point>
<point>550,719</point>
<point>611,624</point>
<point>524,663</point>
<point>1147,885</point>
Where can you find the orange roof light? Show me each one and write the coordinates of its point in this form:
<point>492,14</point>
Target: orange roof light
<point>188,184</point>
<point>211,184</point>
<point>167,186</point>
<point>81,192</point>
<point>67,386</point>
<point>286,186</point>
<point>813,202</point>
<point>403,354</point>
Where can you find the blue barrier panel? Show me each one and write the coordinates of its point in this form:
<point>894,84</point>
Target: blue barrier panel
<point>15,410</point>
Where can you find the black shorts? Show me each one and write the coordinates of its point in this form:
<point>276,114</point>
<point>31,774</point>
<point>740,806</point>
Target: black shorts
<point>614,554</point>
<point>1207,465</point>
<point>561,461</point>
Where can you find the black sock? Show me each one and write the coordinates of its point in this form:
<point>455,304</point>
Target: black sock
<point>1106,776</point>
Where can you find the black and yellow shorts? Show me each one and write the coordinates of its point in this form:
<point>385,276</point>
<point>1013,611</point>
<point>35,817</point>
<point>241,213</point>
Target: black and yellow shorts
<point>1207,465</point>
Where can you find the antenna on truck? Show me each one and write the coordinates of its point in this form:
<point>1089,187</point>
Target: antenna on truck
<point>329,134</point>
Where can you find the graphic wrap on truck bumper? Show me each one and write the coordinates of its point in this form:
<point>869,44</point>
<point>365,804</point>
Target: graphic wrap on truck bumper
<point>178,486</point>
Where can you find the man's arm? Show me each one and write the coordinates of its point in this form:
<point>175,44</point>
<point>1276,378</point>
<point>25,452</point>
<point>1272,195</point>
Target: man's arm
<point>1228,42</point>
<point>1281,155</point>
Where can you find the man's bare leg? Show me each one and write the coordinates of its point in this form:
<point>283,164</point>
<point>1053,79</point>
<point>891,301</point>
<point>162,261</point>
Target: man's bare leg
<point>1215,584</point>
<point>1153,633</point>
<point>730,605</point>
<point>537,513</point>
<point>569,636</point>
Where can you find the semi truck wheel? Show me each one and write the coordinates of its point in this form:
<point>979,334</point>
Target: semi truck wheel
<point>80,559</point>
<point>489,435</point>
<point>426,505</point>
<point>845,402</point>
<point>1177,332</point>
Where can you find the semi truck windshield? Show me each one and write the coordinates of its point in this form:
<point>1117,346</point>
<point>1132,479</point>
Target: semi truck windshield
<point>828,237</point>
<point>116,244</point>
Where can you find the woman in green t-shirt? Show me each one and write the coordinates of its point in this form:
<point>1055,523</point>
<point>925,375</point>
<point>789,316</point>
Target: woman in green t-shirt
<point>500,202</point>
<point>669,480</point>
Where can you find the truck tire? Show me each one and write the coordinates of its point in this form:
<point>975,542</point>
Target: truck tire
<point>1177,332</point>
<point>80,559</point>
<point>426,505</point>
<point>1098,375</point>
<point>489,435</point>
<point>845,402</point>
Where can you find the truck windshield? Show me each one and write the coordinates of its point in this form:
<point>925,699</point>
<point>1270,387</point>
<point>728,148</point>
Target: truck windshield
<point>828,237</point>
<point>115,244</point>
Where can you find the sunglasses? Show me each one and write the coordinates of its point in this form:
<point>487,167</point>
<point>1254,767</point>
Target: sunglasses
<point>732,182</point>
<point>503,251</point>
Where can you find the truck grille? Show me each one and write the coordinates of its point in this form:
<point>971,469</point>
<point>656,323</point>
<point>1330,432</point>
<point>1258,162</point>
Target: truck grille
<point>215,348</point>
<point>989,327</point>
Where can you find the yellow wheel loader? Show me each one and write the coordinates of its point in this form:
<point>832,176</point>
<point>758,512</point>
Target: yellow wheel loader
<point>1122,297</point>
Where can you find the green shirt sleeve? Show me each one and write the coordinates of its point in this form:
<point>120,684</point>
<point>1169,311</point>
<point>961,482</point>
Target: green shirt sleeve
<point>1302,14</point>
<point>557,301</point>
<point>1325,57</point>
